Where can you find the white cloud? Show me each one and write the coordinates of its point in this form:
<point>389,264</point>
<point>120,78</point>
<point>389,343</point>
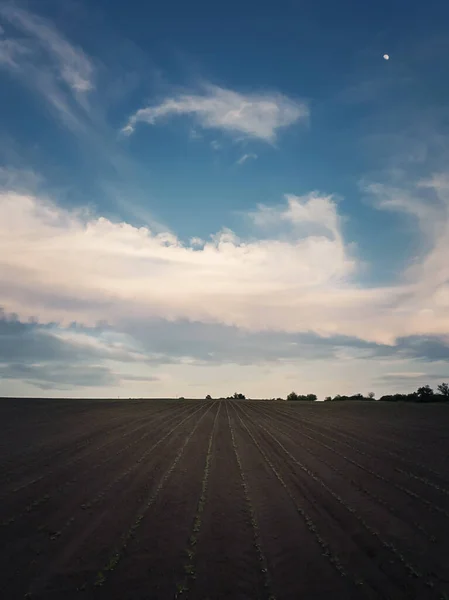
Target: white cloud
<point>197,241</point>
<point>312,214</point>
<point>426,280</point>
<point>246,157</point>
<point>254,115</point>
<point>64,266</point>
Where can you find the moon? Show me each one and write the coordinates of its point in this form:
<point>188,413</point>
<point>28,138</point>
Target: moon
<point>386,57</point>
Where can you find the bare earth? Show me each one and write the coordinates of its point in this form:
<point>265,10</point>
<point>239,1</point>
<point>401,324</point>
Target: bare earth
<point>226,499</point>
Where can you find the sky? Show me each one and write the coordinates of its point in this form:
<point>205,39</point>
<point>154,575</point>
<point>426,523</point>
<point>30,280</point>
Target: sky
<point>201,198</point>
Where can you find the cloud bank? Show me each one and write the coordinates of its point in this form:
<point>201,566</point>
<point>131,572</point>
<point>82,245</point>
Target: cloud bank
<point>62,266</point>
<point>51,358</point>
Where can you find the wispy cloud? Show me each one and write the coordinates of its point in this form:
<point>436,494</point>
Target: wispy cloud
<point>64,77</point>
<point>48,63</point>
<point>253,115</point>
<point>52,358</point>
<point>20,180</point>
<point>73,66</point>
<point>246,157</point>
<point>62,376</point>
<point>11,52</point>
<point>404,375</point>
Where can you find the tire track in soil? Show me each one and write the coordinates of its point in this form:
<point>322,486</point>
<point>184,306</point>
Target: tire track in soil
<point>292,544</point>
<point>150,555</point>
<point>388,579</point>
<point>92,533</point>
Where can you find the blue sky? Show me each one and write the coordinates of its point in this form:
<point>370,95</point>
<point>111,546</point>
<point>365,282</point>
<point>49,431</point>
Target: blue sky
<point>198,199</point>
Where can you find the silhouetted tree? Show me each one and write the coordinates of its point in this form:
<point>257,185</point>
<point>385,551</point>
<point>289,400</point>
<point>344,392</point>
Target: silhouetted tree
<point>443,388</point>
<point>425,393</point>
<point>399,398</point>
<point>208,397</point>
<point>359,397</point>
<point>238,396</point>
<point>371,395</point>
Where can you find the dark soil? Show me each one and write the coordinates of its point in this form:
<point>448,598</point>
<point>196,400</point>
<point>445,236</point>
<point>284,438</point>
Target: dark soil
<point>133,500</point>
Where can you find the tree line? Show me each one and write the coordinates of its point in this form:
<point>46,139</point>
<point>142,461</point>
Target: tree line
<point>422,394</point>
<point>235,396</point>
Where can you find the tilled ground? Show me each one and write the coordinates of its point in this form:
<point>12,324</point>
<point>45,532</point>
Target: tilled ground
<point>223,499</point>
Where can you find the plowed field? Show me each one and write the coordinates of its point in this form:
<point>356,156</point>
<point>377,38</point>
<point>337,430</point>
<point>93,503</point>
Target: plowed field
<point>223,499</point>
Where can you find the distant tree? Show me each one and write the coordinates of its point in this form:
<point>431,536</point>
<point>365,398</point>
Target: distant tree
<point>425,393</point>
<point>181,398</point>
<point>371,395</point>
<point>443,388</point>
<point>293,396</point>
<point>357,397</point>
<point>328,399</point>
<point>238,396</point>
<point>340,398</point>
<point>399,398</point>
<point>208,397</point>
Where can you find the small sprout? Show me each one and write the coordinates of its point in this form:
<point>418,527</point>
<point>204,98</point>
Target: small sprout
<point>100,579</point>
